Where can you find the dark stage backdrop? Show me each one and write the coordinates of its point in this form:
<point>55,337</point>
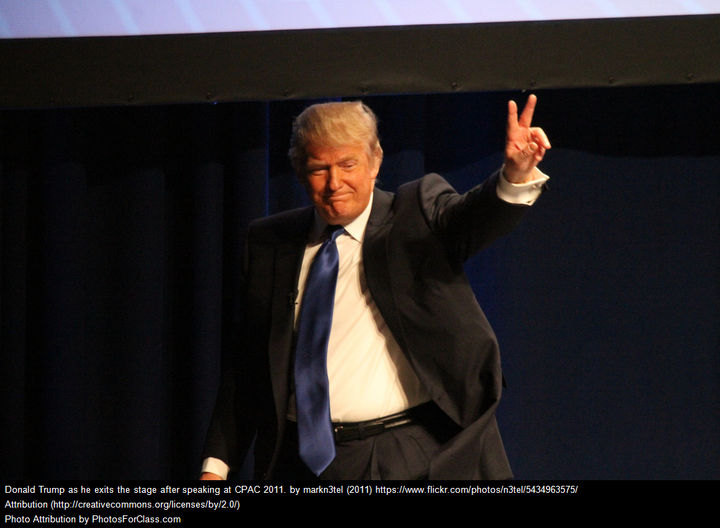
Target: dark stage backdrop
<point>122,231</point>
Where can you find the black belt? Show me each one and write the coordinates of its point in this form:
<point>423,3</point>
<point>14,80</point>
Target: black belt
<point>347,431</point>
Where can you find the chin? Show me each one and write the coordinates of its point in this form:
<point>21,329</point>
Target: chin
<point>336,218</point>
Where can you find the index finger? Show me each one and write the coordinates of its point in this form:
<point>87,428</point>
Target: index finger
<point>527,113</point>
<point>512,115</point>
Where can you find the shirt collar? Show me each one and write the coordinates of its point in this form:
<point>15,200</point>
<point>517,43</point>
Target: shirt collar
<point>355,228</point>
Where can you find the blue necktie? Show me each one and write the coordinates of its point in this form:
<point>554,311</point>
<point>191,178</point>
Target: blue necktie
<point>317,443</point>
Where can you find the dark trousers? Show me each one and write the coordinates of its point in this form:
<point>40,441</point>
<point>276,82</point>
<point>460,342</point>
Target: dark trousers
<point>400,453</point>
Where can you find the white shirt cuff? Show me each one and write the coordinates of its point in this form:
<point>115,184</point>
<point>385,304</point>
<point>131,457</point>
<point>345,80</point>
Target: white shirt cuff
<point>217,466</point>
<point>521,193</point>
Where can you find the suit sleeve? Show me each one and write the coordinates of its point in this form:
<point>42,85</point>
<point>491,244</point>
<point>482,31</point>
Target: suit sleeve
<point>469,222</point>
<point>221,441</point>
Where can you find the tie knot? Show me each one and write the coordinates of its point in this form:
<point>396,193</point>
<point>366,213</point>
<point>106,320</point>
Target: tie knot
<point>334,231</point>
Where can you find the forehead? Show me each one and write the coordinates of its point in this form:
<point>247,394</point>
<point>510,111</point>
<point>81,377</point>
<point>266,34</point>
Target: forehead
<point>331,154</point>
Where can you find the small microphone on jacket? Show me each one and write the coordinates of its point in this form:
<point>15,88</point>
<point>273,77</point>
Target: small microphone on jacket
<point>292,296</point>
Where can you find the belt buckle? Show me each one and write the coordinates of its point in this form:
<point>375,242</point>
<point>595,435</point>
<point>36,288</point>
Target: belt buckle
<point>345,433</point>
<point>358,431</point>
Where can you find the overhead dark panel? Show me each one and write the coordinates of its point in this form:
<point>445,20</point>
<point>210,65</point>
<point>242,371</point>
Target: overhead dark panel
<point>361,61</point>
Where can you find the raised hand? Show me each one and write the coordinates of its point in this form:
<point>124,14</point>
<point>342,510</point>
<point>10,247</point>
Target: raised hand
<point>525,146</point>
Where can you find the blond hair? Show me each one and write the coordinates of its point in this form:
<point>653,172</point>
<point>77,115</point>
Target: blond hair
<point>334,125</point>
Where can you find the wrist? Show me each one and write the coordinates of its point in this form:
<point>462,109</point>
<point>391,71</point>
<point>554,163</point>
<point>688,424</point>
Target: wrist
<point>519,178</point>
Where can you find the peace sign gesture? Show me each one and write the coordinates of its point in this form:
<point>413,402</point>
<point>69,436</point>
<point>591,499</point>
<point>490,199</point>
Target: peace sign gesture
<point>525,146</point>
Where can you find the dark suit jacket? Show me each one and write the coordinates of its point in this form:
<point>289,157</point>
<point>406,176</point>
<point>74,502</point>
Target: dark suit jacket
<point>415,244</point>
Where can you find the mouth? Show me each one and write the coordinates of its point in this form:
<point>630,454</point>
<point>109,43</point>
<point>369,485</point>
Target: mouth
<point>335,197</point>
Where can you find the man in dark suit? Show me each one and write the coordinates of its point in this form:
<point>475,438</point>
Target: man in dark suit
<point>393,372</point>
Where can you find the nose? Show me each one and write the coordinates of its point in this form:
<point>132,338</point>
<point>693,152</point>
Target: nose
<point>333,179</point>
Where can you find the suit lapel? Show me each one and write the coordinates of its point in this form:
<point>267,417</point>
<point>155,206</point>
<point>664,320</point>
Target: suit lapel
<point>377,265</point>
<point>374,244</point>
<point>287,262</point>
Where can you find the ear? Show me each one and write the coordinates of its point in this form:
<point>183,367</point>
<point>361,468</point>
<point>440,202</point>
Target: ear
<point>374,172</point>
<point>301,178</point>
<point>376,161</point>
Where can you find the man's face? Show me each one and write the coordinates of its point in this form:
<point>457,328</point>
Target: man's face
<point>340,181</point>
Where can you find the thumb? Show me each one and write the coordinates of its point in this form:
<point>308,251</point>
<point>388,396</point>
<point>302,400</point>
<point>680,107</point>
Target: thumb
<point>530,149</point>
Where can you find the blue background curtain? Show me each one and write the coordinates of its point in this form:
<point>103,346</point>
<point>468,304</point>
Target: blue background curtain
<point>121,236</point>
